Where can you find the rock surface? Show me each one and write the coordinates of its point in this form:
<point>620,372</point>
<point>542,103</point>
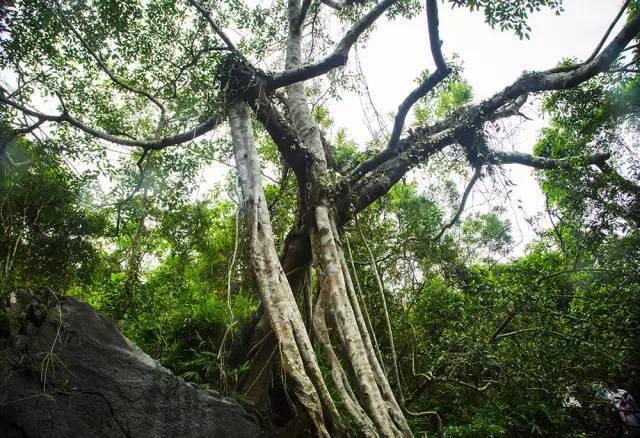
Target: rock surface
<point>65,371</point>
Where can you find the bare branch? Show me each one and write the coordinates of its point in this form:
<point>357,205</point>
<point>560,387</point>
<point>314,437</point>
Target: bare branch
<point>560,80</point>
<point>339,56</point>
<point>302,14</point>
<point>463,202</point>
<point>426,413</point>
<point>503,325</point>
<point>433,24</point>
<point>442,71</point>
<point>161,143</point>
<point>600,44</point>
<point>517,332</point>
<point>513,157</point>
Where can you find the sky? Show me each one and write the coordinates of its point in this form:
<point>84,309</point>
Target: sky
<point>398,51</point>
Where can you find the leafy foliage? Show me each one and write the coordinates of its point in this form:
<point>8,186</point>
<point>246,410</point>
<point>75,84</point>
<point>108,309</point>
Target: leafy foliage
<point>493,342</point>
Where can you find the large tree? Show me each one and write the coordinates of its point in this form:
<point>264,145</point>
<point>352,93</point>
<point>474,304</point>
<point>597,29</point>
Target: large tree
<point>157,75</point>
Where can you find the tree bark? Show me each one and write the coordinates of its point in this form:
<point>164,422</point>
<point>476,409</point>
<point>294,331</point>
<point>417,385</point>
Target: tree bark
<point>295,351</point>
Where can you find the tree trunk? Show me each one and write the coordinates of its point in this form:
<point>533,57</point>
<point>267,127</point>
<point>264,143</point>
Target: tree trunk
<point>295,351</point>
<point>357,376</point>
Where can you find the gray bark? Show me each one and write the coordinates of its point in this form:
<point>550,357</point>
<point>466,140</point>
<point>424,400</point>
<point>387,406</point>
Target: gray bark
<point>296,353</point>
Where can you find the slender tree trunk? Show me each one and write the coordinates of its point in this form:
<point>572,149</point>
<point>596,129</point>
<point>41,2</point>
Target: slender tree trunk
<point>295,351</point>
<point>132,279</point>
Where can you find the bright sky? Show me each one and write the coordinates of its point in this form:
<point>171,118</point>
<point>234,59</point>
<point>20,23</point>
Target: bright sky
<point>399,50</point>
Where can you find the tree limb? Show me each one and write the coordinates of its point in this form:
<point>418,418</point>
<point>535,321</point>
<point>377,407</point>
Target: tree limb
<point>302,13</point>
<point>560,80</point>
<point>337,58</point>
<point>442,71</point>
<point>537,162</point>
<point>207,16</point>
<point>423,142</point>
<point>510,109</point>
<point>600,44</point>
<point>463,202</point>
<point>158,144</point>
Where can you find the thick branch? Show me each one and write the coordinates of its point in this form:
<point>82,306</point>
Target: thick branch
<point>500,157</point>
<point>356,195</point>
<point>282,135</point>
<point>560,80</point>
<point>423,142</point>
<point>600,44</point>
<point>302,13</point>
<point>339,56</point>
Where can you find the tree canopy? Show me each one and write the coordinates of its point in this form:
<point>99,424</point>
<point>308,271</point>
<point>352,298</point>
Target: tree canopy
<point>338,288</point>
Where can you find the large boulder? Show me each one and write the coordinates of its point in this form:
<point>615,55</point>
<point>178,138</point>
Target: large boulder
<point>66,371</point>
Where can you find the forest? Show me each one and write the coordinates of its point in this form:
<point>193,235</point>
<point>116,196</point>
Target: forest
<point>182,167</point>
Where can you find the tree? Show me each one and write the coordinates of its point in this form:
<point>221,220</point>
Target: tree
<point>156,75</point>
<point>47,233</point>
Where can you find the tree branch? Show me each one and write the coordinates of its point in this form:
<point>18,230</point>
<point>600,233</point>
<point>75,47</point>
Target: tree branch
<point>336,59</point>
<point>463,202</point>
<point>503,325</point>
<point>417,147</point>
<point>560,80</point>
<point>618,179</point>
<point>161,143</point>
<point>339,4</point>
<point>516,332</point>
<point>510,109</point>
<point>442,71</point>
<point>424,142</point>
<point>114,78</point>
<point>600,44</point>
<point>4,142</point>
<point>207,16</point>
<point>302,14</point>
<point>513,157</point>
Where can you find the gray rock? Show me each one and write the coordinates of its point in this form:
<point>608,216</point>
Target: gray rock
<point>73,374</point>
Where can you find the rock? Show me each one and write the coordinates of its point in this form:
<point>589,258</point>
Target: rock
<point>68,372</point>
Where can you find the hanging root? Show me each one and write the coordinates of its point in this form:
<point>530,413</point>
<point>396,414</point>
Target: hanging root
<point>297,356</point>
<point>341,305</point>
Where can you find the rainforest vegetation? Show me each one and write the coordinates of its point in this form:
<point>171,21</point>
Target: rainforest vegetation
<point>339,288</point>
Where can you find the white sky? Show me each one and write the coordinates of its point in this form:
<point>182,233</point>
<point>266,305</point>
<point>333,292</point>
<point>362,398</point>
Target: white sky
<point>398,51</point>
